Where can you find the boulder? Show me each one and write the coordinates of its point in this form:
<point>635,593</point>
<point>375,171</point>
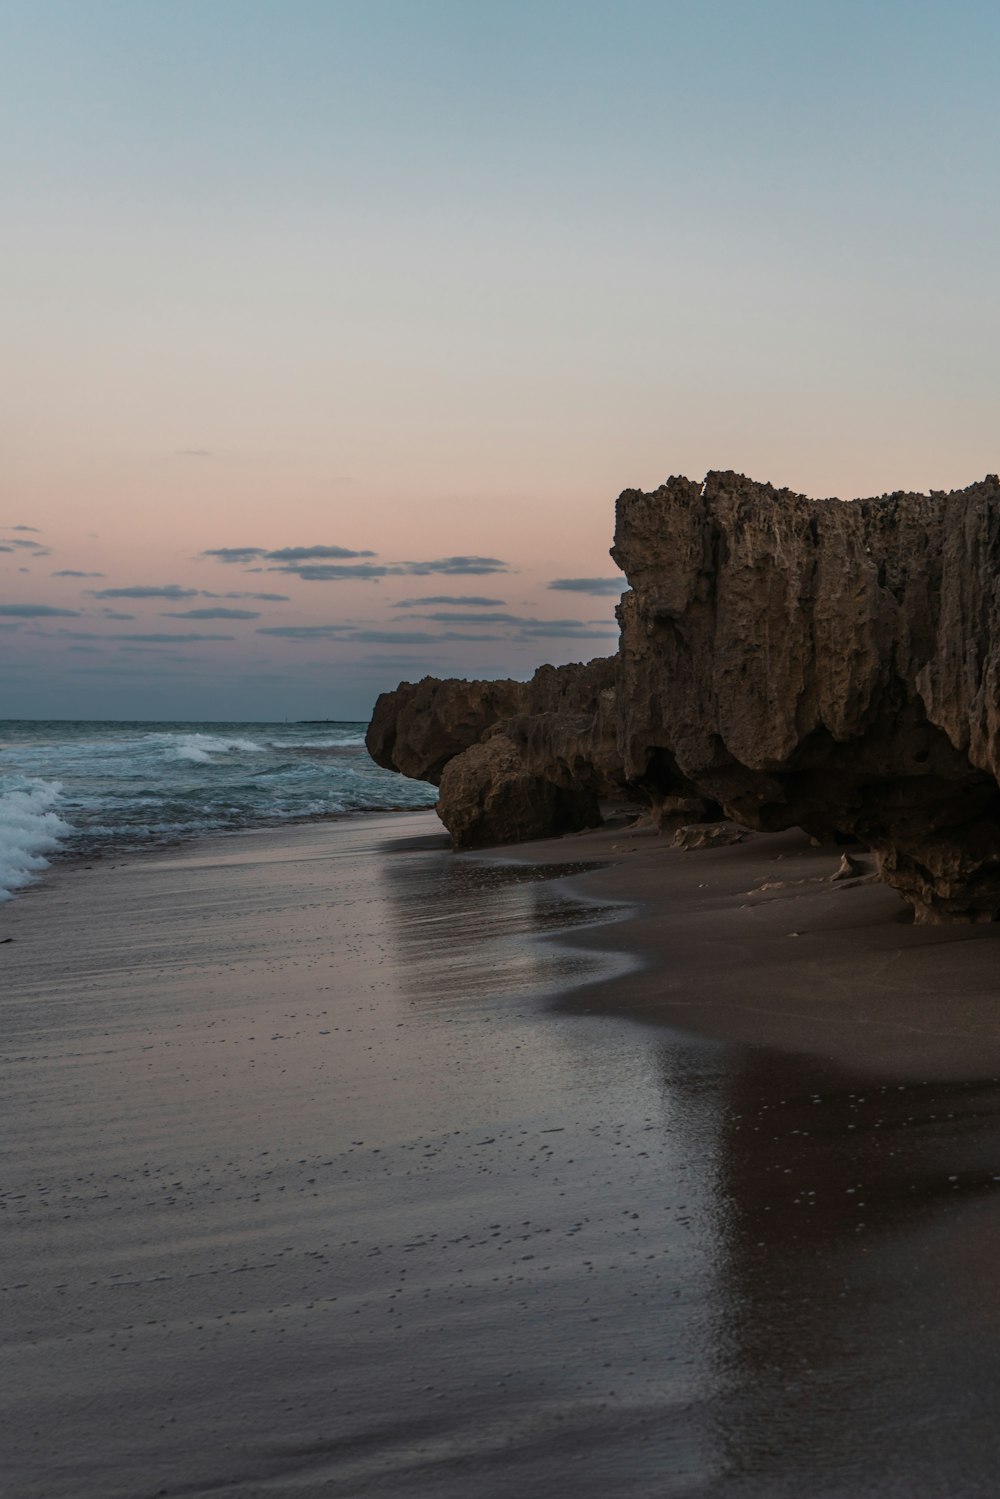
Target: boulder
<point>489,796</point>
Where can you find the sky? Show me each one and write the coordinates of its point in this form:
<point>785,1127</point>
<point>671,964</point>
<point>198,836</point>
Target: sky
<point>331,330</point>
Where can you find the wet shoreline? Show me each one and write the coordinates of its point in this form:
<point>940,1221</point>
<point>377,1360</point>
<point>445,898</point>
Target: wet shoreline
<point>341,1165</point>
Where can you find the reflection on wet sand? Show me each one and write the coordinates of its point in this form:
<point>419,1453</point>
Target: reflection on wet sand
<point>312,1190</point>
<point>471,935</point>
<point>857,1331</point>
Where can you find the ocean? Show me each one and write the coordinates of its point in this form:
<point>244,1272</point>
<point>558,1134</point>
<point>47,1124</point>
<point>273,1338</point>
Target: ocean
<point>89,789</point>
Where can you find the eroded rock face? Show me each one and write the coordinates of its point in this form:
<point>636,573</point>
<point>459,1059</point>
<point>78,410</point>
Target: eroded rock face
<point>514,760</point>
<point>834,666</point>
<point>422,725</point>
<point>488,796</point>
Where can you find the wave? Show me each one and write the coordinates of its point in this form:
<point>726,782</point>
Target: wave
<point>29,829</point>
<point>201,747</point>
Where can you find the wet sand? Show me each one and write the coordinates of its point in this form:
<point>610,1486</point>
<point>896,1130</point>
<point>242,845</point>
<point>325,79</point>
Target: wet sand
<point>340,1165</point>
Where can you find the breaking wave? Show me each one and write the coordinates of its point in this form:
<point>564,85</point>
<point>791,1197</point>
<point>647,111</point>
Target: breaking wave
<point>29,830</point>
<point>143,785</point>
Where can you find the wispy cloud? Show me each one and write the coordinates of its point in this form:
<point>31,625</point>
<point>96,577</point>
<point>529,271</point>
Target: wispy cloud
<point>598,587</point>
<point>411,637</point>
<point>284,554</point>
<point>163,591</point>
<point>36,548</point>
<point>34,529</point>
<point>71,572</point>
<point>333,572</point>
<point>218,612</point>
<point>164,639</point>
<point>263,598</point>
<point>582,629</point>
<point>305,632</point>
<point>313,554</point>
<point>485,617</point>
<point>38,611</point>
<point>459,599</point>
<point>115,614</point>
<point>155,639</point>
<point>235,554</point>
<point>337,564</point>
<point>455,566</point>
<point>319,572</point>
<point>367,637</point>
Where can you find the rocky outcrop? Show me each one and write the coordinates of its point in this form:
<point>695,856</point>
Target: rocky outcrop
<point>514,760</point>
<point>783,662</point>
<point>824,664</point>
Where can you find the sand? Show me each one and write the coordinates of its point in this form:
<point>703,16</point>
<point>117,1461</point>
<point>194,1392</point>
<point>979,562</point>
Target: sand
<point>337,1164</point>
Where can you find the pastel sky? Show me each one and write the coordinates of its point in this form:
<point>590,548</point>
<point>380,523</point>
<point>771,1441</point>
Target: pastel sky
<point>331,330</point>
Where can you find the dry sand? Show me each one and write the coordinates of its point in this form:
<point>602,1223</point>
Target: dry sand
<point>340,1165</point>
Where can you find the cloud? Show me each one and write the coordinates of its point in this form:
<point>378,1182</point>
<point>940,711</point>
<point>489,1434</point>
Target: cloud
<point>289,555</point>
<point>63,634</point>
<point>305,632</point>
<point>36,548</point>
<point>466,599</point>
<point>583,629</point>
<point>194,453</point>
<point>158,652</point>
<point>368,637</point>
<point>487,618</point>
<point>329,572</point>
<point>115,614</point>
<point>6,549</point>
<point>27,528</point>
<point>38,611</point>
<point>71,572</point>
<point>414,637</point>
<point>164,639</point>
<point>167,591</point>
<point>319,572</point>
<point>235,554</point>
<point>171,639</point>
<point>263,598</point>
<point>215,613</point>
<point>337,564</point>
<point>599,587</point>
<point>455,566</point>
<point>313,554</point>
<point>85,650</point>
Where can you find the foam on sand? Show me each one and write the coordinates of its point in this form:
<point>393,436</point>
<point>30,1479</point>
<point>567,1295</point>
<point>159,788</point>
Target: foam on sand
<point>29,829</point>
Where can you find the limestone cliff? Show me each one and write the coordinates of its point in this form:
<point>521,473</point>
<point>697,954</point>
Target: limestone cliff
<point>824,664</point>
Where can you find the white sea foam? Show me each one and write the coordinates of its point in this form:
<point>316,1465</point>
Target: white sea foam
<point>29,829</point>
<point>201,747</point>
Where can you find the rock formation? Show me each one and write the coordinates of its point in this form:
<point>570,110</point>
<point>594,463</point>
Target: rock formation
<point>830,665</point>
<point>513,760</point>
<point>783,662</point>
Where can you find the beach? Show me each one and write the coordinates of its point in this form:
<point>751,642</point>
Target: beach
<point>340,1164</point>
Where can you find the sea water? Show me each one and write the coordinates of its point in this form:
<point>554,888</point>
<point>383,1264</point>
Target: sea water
<point>86,789</point>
